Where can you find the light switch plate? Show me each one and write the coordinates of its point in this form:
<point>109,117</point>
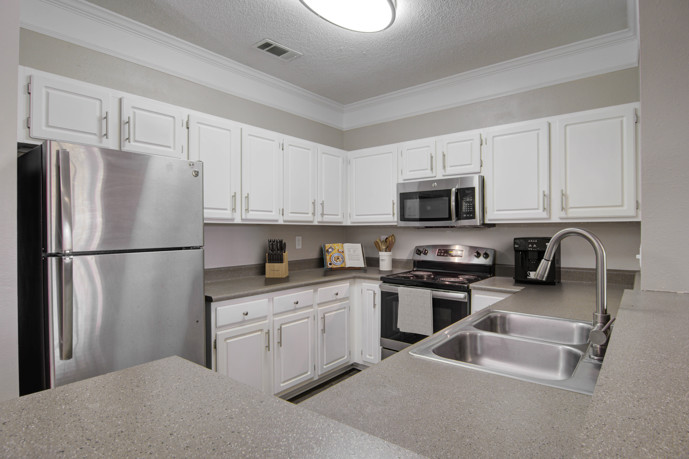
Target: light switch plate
<point>297,243</point>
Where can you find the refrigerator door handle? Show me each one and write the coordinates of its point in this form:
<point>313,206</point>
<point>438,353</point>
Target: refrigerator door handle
<point>65,190</point>
<point>66,307</point>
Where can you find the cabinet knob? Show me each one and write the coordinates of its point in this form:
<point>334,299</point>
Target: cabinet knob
<point>296,302</point>
<point>337,293</point>
<point>245,313</point>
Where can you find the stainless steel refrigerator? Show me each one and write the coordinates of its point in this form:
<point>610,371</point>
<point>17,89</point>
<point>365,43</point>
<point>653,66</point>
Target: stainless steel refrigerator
<point>110,262</point>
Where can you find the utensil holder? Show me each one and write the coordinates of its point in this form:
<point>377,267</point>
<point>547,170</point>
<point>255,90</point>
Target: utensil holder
<point>277,270</point>
<point>385,259</point>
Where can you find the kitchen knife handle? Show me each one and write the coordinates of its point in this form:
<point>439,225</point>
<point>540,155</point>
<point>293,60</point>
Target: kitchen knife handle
<point>66,308</point>
<point>65,190</point>
<point>234,202</point>
<point>107,127</point>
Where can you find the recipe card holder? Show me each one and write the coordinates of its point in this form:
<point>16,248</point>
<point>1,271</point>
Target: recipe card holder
<point>277,270</point>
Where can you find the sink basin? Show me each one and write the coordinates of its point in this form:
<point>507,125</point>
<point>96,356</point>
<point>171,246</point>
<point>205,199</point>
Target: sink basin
<point>538,327</point>
<point>511,355</point>
<point>539,349</point>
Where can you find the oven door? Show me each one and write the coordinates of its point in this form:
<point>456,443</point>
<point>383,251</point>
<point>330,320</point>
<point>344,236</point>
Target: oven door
<point>426,207</point>
<point>448,308</point>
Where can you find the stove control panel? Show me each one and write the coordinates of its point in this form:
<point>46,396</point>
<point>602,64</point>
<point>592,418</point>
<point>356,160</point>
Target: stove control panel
<point>454,254</point>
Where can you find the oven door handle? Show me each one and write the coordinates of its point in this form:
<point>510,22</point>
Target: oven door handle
<point>440,294</point>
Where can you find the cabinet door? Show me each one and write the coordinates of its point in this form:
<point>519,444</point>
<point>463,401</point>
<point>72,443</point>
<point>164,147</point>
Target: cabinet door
<point>459,153</point>
<point>596,155</point>
<point>294,349</point>
<point>333,336</point>
<point>261,174</point>
<point>243,354</point>
<point>300,180</point>
<point>417,159</point>
<point>72,111</point>
<point>370,308</point>
<point>517,172</point>
<point>373,185</point>
<point>152,127</point>
<point>332,179</point>
<point>216,142</point>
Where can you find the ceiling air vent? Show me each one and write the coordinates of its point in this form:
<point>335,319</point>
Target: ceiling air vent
<point>277,50</point>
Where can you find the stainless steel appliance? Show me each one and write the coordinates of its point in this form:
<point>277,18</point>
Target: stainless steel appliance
<point>447,271</point>
<point>110,262</point>
<point>528,253</point>
<point>445,202</point>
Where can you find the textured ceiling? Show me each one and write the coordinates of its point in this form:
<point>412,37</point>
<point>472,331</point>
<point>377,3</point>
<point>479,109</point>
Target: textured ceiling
<point>430,39</point>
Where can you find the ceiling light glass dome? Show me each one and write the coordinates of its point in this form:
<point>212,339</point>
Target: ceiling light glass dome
<point>357,15</point>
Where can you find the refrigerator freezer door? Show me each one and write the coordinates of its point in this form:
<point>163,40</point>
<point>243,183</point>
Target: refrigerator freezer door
<point>101,200</point>
<point>126,309</point>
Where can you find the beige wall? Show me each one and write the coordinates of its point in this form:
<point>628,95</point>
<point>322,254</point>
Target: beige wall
<point>664,82</point>
<point>600,91</point>
<point>236,245</point>
<point>621,241</point>
<point>9,36</point>
<point>56,56</point>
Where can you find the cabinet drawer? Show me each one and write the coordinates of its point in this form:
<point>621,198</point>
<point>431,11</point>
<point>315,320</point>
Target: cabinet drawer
<point>242,312</point>
<point>333,292</point>
<point>292,301</point>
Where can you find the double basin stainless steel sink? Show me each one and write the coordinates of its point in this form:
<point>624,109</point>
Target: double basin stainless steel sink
<point>539,349</point>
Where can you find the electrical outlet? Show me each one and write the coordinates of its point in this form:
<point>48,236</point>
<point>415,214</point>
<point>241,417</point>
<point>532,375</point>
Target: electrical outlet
<point>297,243</point>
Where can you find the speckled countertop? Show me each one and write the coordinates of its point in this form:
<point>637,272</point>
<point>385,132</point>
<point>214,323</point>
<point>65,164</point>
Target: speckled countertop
<point>173,408</point>
<point>239,287</point>
<point>446,411</point>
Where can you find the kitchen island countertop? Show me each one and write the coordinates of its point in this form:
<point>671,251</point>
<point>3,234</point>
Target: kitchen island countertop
<point>173,408</point>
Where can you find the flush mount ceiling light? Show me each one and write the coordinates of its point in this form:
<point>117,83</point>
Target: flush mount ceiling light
<point>357,15</point>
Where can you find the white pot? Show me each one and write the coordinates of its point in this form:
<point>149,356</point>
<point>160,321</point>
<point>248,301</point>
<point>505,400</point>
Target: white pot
<point>385,261</point>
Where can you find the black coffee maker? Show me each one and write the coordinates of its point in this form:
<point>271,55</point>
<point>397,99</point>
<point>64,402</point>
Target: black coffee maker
<point>528,253</point>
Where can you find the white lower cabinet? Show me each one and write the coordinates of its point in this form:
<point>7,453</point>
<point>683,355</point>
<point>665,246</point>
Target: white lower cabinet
<point>333,336</point>
<point>481,299</point>
<point>294,361</point>
<point>244,354</point>
<point>370,323</point>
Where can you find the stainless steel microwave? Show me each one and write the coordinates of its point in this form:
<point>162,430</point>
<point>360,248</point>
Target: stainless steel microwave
<point>445,202</point>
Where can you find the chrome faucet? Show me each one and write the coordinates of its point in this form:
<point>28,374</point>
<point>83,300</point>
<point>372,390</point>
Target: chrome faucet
<point>601,319</point>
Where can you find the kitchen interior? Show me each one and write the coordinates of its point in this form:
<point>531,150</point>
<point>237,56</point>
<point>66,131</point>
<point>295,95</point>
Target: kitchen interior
<point>583,357</point>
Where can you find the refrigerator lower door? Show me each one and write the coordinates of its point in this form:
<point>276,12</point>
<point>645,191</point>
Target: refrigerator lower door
<point>112,311</point>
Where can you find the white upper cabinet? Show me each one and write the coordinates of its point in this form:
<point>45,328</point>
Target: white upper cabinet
<point>417,159</point>
<point>300,180</point>
<point>517,172</point>
<point>459,153</point>
<point>152,127</point>
<point>62,109</point>
<point>216,142</point>
<point>373,182</point>
<point>595,162</point>
<point>261,175</point>
<point>332,185</point>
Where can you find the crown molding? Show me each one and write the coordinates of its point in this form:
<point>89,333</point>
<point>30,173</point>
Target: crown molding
<point>93,27</point>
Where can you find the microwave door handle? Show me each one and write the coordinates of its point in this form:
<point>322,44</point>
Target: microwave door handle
<point>453,204</point>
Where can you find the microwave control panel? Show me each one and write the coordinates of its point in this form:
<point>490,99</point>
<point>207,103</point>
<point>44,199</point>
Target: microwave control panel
<point>467,203</point>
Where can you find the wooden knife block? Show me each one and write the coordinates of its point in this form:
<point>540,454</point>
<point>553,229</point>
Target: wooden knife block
<point>277,270</point>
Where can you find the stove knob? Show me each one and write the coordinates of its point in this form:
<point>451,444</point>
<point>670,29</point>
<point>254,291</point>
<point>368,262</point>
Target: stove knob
<point>419,251</point>
<point>425,251</point>
<point>477,254</point>
<point>486,255</point>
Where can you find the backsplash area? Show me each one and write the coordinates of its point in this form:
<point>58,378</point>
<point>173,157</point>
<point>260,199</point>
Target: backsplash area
<point>240,244</point>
